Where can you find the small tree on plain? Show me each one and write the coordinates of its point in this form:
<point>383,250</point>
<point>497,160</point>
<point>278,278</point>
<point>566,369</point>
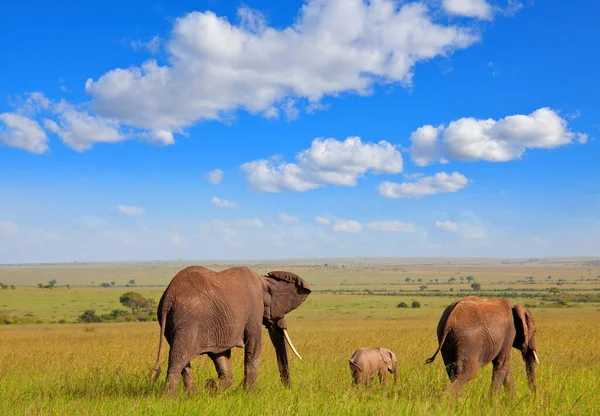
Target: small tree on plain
<point>416,304</point>
<point>476,286</point>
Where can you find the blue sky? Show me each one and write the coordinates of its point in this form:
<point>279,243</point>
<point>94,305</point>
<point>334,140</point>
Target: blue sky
<point>252,130</point>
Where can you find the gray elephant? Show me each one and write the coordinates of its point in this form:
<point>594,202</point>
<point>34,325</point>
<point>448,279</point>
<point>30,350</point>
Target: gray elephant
<point>208,312</point>
<point>366,363</point>
<point>473,332</point>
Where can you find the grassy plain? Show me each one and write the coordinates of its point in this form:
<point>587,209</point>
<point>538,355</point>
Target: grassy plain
<point>103,368</point>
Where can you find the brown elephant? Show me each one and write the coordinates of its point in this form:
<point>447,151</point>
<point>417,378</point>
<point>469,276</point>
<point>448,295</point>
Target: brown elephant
<point>473,332</point>
<point>367,363</point>
<point>208,312</point>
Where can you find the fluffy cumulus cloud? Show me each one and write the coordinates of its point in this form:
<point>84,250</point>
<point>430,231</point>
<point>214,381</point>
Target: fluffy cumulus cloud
<point>215,177</point>
<point>448,226</point>
<point>347,226</point>
<point>470,139</point>
<point>215,66</point>
<point>223,203</point>
<point>322,220</point>
<point>327,161</point>
<point>129,211</point>
<point>23,133</point>
<point>391,226</point>
<point>441,182</point>
<point>469,8</point>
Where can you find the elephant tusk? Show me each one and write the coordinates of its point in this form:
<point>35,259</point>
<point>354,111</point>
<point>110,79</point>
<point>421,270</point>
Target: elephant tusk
<point>287,338</point>
<point>535,356</point>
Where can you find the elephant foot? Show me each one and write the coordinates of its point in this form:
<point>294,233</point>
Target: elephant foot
<point>215,385</point>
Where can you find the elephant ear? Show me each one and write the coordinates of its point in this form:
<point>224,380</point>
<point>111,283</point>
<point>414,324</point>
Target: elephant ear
<point>386,356</point>
<point>522,323</point>
<point>286,291</point>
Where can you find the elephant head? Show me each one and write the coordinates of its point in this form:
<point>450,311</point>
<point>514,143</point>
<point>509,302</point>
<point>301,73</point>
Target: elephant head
<point>283,292</point>
<point>525,340</point>
<point>389,358</point>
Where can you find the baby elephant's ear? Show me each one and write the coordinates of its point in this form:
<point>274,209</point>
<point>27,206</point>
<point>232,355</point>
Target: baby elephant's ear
<point>386,356</point>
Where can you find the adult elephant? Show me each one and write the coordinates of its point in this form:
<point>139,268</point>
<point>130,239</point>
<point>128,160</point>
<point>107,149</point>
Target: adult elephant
<point>208,312</point>
<point>473,332</point>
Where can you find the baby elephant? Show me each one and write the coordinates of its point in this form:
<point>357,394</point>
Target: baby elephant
<point>367,363</point>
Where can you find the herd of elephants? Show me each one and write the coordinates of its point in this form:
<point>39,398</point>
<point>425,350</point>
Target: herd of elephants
<point>207,312</point>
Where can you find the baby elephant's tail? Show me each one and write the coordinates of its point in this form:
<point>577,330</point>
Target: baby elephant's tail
<point>430,359</point>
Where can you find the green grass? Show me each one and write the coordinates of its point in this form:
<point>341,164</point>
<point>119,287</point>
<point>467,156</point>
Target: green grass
<point>103,368</point>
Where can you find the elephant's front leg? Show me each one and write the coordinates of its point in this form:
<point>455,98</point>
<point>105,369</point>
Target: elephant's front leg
<point>223,366</point>
<point>501,372</point>
<point>383,378</point>
<point>252,351</point>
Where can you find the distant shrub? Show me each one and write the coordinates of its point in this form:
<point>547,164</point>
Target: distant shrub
<point>132,282</point>
<point>402,305</point>
<point>13,287</point>
<point>89,316</point>
<point>476,286</point>
<point>105,284</point>
<point>62,321</point>
<point>415,304</point>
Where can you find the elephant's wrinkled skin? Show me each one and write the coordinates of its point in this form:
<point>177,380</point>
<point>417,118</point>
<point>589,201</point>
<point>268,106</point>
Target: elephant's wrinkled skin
<point>366,363</point>
<point>473,332</point>
<point>208,312</point>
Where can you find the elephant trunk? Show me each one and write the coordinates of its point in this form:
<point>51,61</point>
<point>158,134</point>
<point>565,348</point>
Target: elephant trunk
<point>278,339</point>
<point>531,360</point>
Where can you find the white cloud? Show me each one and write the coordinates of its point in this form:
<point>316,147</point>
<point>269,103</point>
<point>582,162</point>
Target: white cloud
<point>288,219</point>
<point>446,226</point>
<point>215,177</point>
<point>327,161</point>
<point>223,203</point>
<point>23,133</point>
<point>391,226</point>
<point>441,182</point>
<point>250,223</point>
<point>129,211</point>
<point>470,139</point>
<point>216,67</point>
<point>8,229</point>
<point>346,226</point>
<point>322,220</point>
<point>152,46</point>
<point>79,129</point>
<point>469,8</point>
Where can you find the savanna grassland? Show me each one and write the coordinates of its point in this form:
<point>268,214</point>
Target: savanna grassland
<point>103,368</point>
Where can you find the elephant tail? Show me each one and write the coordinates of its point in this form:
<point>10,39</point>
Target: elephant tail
<point>163,320</point>
<point>430,359</point>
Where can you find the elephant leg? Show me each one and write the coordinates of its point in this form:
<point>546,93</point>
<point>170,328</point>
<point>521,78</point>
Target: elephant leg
<point>188,379</point>
<point>509,383</point>
<point>178,360</point>
<point>223,367</point>
<point>252,351</point>
<point>449,358</point>
<point>383,378</point>
<point>500,372</point>
<point>466,370</point>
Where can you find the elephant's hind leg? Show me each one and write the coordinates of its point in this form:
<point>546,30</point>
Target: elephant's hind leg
<point>188,378</point>
<point>466,370</point>
<point>179,359</point>
<point>223,367</point>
